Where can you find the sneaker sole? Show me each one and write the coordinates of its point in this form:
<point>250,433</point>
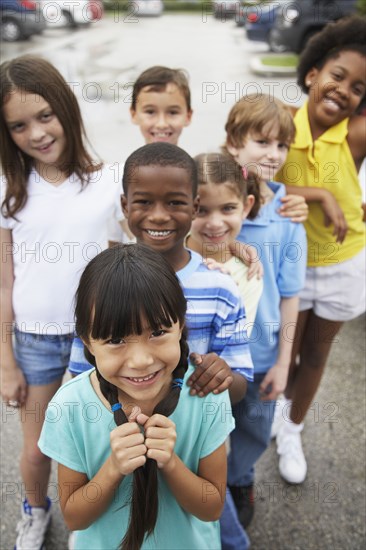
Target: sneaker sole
<point>293,482</point>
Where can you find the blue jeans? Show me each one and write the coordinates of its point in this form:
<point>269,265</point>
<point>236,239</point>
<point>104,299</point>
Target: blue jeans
<point>253,421</point>
<point>233,535</point>
<point>42,358</point>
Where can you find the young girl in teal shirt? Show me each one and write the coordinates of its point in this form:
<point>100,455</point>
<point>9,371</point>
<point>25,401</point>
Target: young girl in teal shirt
<point>139,459</point>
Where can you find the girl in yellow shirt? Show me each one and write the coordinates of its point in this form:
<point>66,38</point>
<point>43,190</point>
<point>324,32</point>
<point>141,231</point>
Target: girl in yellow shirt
<point>322,166</point>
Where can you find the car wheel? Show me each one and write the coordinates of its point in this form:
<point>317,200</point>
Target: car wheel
<point>273,46</point>
<point>10,30</point>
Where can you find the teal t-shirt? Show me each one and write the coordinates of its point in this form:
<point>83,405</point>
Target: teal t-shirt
<point>76,434</point>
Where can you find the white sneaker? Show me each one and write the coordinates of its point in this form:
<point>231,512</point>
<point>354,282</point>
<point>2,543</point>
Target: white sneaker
<point>292,463</point>
<point>281,414</point>
<point>33,526</point>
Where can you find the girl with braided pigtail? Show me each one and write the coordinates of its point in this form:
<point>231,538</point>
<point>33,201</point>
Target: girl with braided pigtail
<point>148,467</point>
<point>144,504</point>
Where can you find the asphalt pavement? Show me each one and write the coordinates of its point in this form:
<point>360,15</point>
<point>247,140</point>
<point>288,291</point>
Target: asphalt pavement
<point>327,512</point>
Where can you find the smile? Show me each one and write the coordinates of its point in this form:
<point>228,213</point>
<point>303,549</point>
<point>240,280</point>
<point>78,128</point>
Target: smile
<point>215,235</point>
<point>45,148</point>
<point>162,136</point>
<point>332,104</point>
<point>158,234</point>
<point>142,380</point>
<point>270,166</point>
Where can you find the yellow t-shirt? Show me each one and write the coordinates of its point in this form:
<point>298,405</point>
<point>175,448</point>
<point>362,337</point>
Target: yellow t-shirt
<point>327,163</point>
<point>250,290</point>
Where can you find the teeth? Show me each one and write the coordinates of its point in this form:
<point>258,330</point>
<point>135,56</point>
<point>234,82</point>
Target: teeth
<point>142,379</point>
<point>331,101</point>
<point>158,233</point>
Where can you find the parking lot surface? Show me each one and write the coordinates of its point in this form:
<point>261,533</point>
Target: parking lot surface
<point>101,62</point>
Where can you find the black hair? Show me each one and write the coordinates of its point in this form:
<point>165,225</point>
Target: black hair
<point>346,34</point>
<point>118,290</point>
<point>160,154</point>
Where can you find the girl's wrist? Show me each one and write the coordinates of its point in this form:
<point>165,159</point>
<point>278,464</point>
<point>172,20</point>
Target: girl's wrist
<point>8,364</point>
<point>112,471</point>
<point>170,466</point>
<point>324,195</point>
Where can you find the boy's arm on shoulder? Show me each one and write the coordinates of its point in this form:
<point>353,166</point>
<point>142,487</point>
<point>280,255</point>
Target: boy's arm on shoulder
<point>211,374</point>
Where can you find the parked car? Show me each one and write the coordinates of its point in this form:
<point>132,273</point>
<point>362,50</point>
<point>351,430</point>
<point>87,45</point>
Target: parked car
<point>224,9</point>
<point>144,7</point>
<point>241,11</point>
<point>71,13</point>
<point>294,25</point>
<point>260,19</point>
<point>20,19</point>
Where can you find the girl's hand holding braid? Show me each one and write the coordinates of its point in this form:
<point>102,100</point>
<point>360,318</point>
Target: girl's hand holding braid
<point>160,438</point>
<point>128,446</point>
<point>131,446</point>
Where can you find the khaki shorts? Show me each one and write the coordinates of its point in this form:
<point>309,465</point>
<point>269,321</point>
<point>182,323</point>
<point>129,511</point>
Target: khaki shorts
<point>337,292</point>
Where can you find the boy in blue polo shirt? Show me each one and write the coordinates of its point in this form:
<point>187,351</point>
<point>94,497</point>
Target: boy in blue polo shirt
<point>259,131</point>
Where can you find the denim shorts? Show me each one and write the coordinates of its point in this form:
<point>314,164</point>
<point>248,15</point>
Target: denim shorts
<point>42,358</point>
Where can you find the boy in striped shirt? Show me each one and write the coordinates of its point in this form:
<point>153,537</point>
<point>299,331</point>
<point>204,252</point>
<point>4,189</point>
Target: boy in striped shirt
<point>160,201</point>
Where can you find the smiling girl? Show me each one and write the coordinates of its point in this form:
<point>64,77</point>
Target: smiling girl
<point>155,455</point>
<point>55,205</point>
<point>227,198</point>
<point>322,166</point>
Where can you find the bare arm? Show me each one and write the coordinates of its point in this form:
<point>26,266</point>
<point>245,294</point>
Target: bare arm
<point>13,384</point>
<point>201,495</point>
<point>79,512</point>
<point>333,214</point>
<point>275,380</point>
<point>128,453</point>
<point>357,139</point>
<point>238,388</point>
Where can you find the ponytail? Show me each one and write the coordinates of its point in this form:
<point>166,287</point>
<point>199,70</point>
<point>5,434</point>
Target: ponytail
<point>253,188</point>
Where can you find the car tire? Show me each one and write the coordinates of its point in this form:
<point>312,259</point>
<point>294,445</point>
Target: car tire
<point>11,31</point>
<point>273,46</point>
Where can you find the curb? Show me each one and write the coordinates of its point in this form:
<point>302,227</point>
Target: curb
<point>257,67</point>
